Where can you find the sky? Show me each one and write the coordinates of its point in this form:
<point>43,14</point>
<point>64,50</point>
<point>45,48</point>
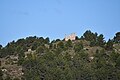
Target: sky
<point>55,18</point>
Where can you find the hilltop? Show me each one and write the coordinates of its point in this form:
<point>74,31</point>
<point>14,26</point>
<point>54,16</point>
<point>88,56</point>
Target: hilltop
<point>88,57</point>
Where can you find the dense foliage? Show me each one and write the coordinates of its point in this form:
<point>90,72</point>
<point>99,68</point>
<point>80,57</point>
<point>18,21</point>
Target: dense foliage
<point>66,60</point>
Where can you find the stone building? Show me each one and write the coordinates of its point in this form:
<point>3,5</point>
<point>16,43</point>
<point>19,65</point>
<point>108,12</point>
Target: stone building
<point>72,37</point>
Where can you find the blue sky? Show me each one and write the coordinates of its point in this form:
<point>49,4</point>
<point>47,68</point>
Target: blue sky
<point>55,18</point>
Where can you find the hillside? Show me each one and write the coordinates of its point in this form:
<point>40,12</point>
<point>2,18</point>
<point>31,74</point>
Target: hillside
<point>88,57</point>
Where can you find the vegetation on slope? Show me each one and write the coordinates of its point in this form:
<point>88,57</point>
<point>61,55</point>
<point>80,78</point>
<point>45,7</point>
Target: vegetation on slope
<point>89,57</point>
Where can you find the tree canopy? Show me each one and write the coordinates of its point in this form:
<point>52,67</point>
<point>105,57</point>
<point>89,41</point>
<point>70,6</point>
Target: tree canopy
<point>42,59</point>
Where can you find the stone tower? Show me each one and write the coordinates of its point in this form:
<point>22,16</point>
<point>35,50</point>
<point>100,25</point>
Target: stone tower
<point>71,37</point>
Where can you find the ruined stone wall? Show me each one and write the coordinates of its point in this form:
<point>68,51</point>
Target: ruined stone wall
<point>71,37</point>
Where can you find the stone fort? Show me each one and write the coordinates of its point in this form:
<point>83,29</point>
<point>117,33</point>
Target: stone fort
<point>72,37</point>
